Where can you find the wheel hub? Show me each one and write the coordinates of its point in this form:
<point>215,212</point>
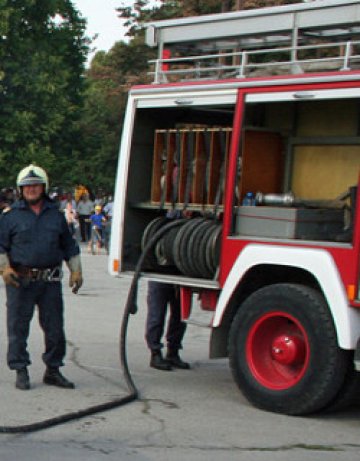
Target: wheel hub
<point>277,350</point>
<point>288,349</point>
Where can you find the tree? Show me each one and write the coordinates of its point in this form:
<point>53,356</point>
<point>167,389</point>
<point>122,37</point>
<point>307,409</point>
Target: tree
<point>251,4</point>
<point>108,80</point>
<point>143,10</point>
<point>43,53</point>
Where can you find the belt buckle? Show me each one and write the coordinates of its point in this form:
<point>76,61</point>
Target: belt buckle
<point>35,274</point>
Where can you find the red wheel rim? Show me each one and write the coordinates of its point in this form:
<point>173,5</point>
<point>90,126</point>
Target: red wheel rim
<point>277,350</point>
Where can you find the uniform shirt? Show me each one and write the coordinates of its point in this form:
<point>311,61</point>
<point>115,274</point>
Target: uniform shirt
<point>33,240</point>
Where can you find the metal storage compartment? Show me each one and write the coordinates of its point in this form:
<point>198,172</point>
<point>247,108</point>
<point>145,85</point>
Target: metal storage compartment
<point>289,223</point>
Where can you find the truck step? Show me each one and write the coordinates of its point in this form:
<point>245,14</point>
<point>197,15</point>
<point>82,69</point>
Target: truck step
<point>176,280</point>
<point>200,318</point>
<point>204,325</point>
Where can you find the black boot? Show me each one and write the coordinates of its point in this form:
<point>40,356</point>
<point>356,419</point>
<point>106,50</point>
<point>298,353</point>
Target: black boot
<point>53,377</point>
<point>158,362</point>
<point>22,379</point>
<point>174,359</point>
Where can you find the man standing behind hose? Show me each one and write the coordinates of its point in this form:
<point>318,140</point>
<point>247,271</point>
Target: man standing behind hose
<point>34,241</point>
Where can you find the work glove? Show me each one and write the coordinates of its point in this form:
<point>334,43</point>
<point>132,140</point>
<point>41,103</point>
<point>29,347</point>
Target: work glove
<point>75,281</point>
<point>10,277</point>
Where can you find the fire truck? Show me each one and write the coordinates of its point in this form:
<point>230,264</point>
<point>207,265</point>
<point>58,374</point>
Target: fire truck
<point>249,138</point>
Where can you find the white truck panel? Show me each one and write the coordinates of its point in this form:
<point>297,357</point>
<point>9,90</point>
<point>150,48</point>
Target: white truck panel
<point>317,262</point>
<point>117,225</point>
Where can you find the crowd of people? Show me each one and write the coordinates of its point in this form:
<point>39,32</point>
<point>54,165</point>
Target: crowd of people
<point>89,220</point>
<point>89,217</point>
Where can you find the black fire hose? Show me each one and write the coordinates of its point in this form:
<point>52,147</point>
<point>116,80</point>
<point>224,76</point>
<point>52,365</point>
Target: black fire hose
<point>130,308</point>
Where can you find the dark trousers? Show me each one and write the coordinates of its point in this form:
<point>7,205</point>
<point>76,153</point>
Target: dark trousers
<point>159,297</point>
<point>85,227</point>
<point>20,309</point>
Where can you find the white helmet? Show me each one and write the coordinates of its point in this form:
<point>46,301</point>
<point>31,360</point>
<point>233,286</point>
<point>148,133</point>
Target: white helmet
<point>32,174</point>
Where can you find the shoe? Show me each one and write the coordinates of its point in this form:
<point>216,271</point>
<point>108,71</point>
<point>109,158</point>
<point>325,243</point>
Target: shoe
<point>175,361</point>
<point>22,379</point>
<point>157,361</point>
<point>53,377</point>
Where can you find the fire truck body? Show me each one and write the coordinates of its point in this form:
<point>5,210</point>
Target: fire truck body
<point>279,274</point>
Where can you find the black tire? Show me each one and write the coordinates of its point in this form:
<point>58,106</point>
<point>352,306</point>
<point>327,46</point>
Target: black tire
<point>349,393</point>
<point>283,350</point>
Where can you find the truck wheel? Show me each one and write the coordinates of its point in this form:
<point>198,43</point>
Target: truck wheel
<point>349,393</point>
<point>283,350</point>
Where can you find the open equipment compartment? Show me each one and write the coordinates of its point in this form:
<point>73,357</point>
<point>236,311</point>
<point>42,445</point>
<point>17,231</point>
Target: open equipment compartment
<point>152,155</point>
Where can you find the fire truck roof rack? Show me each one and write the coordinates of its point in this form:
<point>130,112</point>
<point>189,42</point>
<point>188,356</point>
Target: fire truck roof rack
<point>323,35</point>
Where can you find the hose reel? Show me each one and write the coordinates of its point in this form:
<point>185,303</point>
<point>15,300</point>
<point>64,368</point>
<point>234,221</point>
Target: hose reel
<point>192,248</point>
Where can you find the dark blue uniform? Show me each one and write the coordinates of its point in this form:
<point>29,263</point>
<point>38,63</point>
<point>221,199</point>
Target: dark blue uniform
<point>35,241</point>
<point>158,297</point>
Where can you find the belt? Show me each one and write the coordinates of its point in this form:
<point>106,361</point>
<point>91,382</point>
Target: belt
<point>51,274</point>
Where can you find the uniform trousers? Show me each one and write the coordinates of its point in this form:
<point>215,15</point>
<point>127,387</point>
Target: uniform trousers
<point>20,309</point>
<point>159,297</point>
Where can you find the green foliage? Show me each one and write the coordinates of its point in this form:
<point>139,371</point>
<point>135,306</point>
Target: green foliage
<point>43,50</point>
<point>144,11</point>
<point>54,113</point>
<point>108,81</point>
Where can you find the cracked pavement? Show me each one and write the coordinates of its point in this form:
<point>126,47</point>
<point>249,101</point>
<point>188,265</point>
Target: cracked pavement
<point>196,414</point>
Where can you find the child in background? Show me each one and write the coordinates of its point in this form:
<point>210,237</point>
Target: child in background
<point>97,219</point>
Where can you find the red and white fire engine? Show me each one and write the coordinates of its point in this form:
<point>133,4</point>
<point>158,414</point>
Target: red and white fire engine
<point>249,137</point>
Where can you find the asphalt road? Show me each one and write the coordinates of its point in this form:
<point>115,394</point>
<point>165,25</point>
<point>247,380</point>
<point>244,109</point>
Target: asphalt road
<point>194,415</point>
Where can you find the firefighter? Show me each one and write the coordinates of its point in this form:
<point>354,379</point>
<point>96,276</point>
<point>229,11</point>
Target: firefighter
<point>34,241</point>
<point>159,296</point>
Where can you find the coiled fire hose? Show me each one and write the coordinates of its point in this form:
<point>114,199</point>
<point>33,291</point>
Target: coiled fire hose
<point>130,308</point>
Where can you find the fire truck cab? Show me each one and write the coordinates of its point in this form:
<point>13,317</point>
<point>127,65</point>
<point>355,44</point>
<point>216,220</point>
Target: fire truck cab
<point>249,138</point>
